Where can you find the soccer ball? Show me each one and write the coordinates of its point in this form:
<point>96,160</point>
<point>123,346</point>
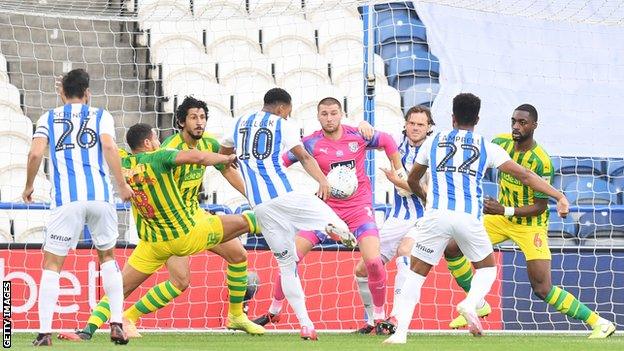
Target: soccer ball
<point>343,182</point>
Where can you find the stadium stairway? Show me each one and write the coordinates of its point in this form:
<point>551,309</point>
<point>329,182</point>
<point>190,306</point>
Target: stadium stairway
<point>38,49</point>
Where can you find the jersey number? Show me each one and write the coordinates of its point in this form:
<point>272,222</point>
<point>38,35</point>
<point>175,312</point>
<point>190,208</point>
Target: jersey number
<point>464,167</point>
<point>142,204</point>
<point>86,137</point>
<point>260,149</point>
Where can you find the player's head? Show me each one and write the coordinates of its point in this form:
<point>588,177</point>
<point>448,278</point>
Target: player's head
<point>191,117</point>
<point>278,102</point>
<point>523,122</point>
<point>141,137</point>
<point>466,108</point>
<point>418,124</point>
<point>75,85</point>
<point>329,113</point>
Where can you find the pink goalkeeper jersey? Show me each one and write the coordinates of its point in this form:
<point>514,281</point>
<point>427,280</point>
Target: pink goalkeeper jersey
<point>349,150</point>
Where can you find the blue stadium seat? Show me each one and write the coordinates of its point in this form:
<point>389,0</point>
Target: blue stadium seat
<point>615,167</point>
<point>419,94</point>
<point>589,190</point>
<point>601,224</point>
<point>409,60</point>
<point>400,29</point>
<point>558,225</point>
<point>578,165</point>
<point>561,181</point>
<point>490,189</point>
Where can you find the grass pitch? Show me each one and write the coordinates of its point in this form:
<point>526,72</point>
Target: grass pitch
<point>236,341</point>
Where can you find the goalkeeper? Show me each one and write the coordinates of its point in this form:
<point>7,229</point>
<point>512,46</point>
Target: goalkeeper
<point>166,226</point>
<point>522,216</point>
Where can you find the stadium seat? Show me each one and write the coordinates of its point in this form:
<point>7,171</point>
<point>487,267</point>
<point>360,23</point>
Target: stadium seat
<point>215,95</point>
<point>249,86</point>
<point>163,10</point>
<point>29,225</point>
<point>308,70</point>
<point>209,10</point>
<point>173,48</point>
<point>615,167</point>
<point>12,184</point>
<point>406,59</point>
<point>578,165</point>
<point>14,149</point>
<point>339,36</point>
<point>388,114</point>
<point>304,98</point>
<point>490,189</point>
<point>330,11</point>
<point>284,35</point>
<point>190,76</point>
<point>234,49</point>
<point>179,29</point>
<point>347,68</point>
<point>402,28</point>
<point>223,31</point>
<point>10,95</point>
<point>16,123</point>
<point>5,228</point>
<point>605,227</point>
<point>264,8</point>
<point>420,94</point>
<point>562,231</point>
<point>590,190</point>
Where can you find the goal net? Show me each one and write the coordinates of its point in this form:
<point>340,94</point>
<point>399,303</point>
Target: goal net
<point>379,59</point>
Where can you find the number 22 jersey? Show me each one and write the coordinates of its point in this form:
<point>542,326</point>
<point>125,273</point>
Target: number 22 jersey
<point>457,160</point>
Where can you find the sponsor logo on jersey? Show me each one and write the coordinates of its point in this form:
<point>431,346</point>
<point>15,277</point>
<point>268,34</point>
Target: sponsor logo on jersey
<point>339,153</point>
<point>353,146</point>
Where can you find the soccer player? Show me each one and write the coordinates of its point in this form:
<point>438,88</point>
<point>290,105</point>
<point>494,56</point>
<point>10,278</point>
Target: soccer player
<point>407,209</point>
<point>258,140</point>
<point>166,225</point>
<point>521,214</point>
<point>191,118</point>
<point>83,153</point>
<point>340,145</point>
<point>456,161</point>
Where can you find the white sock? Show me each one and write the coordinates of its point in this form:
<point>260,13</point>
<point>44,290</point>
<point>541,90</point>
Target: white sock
<point>402,264</point>
<point>291,285</point>
<point>113,287</point>
<point>367,298</point>
<point>480,286</point>
<point>407,300</point>
<point>276,306</point>
<point>48,297</point>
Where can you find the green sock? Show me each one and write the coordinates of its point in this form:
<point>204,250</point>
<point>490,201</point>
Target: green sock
<point>461,269</point>
<point>237,286</point>
<point>156,298</point>
<point>99,316</point>
<point>567,304</point>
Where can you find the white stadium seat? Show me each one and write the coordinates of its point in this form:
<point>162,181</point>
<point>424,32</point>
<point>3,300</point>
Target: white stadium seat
<point>29,225</point>
<point>420,94</point>
<point>249,91</point>
<point>13,149</point>
<point>318,10</point>
<point>10,95</point>
<point>233,49</point>
<point>262,8</point>
<point>12,180</point>
<point>305,99</point>
<point>218,121</point>
<point>179,29</point>
<point>216,9</point>
<point>282,35</point>
<point>163,10</point>
<point>226,29</point>
<point>301,70</point>
<point>347,69</point>
<point>16,123</point>
<point>5,227</point>
<point>174,45</point>
<point>177,62</point>
<point>213,94</point>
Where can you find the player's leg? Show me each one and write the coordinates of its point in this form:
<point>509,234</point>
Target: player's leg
<point>304,242</point>
<point>537,253</point>
<point>402,261</point>
<point>369,249</point>
<point>361,278</point>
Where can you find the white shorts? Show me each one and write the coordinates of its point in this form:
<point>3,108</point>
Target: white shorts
<point>437,227</point>
<point>282,217</point>
<point>67,222</point>
<point>391,233</point>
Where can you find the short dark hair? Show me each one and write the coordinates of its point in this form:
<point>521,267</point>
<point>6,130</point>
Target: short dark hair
<point>75,83</point>
<point>329,101</point>
<point>530,109</point>
<point>188,103</point>
<point>276,96</point>
<point>466,108</point>
<point>137,134</point>
<point>421,109</point>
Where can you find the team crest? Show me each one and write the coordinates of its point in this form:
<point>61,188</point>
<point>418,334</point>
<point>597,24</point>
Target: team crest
<point>353,146</point>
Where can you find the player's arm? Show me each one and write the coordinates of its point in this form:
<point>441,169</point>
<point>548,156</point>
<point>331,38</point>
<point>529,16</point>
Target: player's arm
<point>35,156</point>
<point>234,178</point>
<point>530,179</point>
<point>414,180</point>
<point>492,206</point>
<point>204,158</point>
<point>111,155</point>
<point>311,166</point>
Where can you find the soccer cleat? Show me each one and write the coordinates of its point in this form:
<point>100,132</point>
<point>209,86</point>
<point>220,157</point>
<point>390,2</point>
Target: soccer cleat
<point>388,326</point>
<point>341,235</point>
<point>396,339</point>
<point>367,329</point>
<point>380,327</point>
<point>130,329</point>
<point>243,323</point>
<point>44,339</point>
<point>76,336</point>
<point>470,314</point>
<point>117,334</point>
<point>267,318</point>
<point>461,322</point>
<point>602,330</point>
<point>308,333</point>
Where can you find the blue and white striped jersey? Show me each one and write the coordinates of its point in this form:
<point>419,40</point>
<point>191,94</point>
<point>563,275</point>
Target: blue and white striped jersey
<point>457,160</point>
<point>409,207</point>
<point>260,139</point>
<point>79,171</point>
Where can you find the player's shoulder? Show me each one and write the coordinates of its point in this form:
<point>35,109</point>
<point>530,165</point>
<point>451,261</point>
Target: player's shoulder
<point>502,138</point>
<point>173,141</point>
<point>542,157</point>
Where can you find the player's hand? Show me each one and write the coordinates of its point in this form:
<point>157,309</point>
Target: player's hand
<point>27,194</point>
<point>397,177</point>
<point>125,191</point>
<point>563,207</point>
<point>324,190</point>
<point>366,129</point>
<point>492,206</point>
<point>231,160</point>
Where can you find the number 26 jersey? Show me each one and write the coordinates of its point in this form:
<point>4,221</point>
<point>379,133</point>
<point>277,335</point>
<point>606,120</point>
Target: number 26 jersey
<point>457,160</point>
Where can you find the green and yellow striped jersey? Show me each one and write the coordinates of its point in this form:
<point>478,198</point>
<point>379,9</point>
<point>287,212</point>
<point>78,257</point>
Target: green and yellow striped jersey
<point>512,192</point>
<point>189,177</point>
<point>157,205</point>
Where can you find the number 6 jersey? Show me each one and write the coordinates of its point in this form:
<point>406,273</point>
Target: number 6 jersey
<point>260,139</point>
<point>78,169</point>
<point>457,161</point>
